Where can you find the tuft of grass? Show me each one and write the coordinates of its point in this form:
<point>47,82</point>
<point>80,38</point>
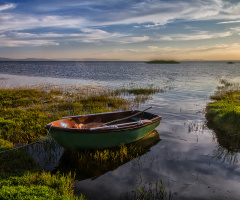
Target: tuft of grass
<point>4,145</point>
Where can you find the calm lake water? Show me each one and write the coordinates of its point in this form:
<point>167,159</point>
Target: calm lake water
<point>183,153</point>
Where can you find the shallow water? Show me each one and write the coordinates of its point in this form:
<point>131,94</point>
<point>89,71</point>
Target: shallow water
<point>188,158</point>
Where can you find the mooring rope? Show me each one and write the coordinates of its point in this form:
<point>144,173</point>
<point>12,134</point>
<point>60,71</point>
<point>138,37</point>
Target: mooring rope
<point>27,144</point>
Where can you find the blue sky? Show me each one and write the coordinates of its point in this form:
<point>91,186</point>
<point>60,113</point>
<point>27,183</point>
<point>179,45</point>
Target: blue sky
<point>120,30</point>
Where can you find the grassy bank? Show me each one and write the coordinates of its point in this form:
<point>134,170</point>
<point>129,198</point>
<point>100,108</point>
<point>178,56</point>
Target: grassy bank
<point>223,115</point>
<point>25,112</point>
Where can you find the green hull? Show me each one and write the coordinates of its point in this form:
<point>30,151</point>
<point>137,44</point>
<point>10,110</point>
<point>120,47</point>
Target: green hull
<point>101,139</point>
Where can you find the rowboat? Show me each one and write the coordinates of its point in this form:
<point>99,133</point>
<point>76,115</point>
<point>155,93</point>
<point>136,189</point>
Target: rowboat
<point>103,130</point>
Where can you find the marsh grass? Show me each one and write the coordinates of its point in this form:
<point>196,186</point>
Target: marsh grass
<point>93,163</point>
<point>138,94</point>
<point>39,185</point>
<point>24,113</point>
<point>22,178</point>
<point>223,115</point>
<point>117,155</point>
<point>124,153</point>
<point>225,110</point>
<point>152,190</point>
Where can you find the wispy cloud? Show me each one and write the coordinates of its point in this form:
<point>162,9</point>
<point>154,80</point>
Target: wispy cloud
<point>7,6</point>
<point>198,36</point>
<point>211,52</point>
<point>87,35</point>
<point>100,13</point>
<point>25,22</point>
<point>229,22</point>
<point>127,40</point>
<point>217,47</point>
<point>5,42</point>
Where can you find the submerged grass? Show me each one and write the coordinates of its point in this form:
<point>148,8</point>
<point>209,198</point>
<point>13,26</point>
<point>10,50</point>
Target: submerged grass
<point>23,114</point>
<point>223,114</point>
<point>152,190</point>
<point>115,156</point>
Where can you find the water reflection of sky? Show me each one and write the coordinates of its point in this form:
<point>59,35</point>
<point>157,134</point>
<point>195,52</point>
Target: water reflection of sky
<point>186,158</point>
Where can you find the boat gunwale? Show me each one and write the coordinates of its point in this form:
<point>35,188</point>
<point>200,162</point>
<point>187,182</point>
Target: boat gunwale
<point>98,131</point>
<point>105,113</point>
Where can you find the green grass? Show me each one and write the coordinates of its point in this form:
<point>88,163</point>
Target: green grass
<point>23,114</point>
<point>23,118</point>
<point>21,178</point>
<point>163,62</point>
<point>39,185</point>
<point>223,115</point>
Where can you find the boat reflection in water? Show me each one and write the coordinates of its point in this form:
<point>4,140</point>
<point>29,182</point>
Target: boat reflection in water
<point>87,164</point>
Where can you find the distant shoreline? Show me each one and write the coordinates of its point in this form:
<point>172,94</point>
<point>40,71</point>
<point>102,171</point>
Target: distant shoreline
<point>163,62</point>
<point>99,60</point>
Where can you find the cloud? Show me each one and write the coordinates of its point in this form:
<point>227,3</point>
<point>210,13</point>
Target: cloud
<point>7,6</point>
<point>229,22</point>
<point>217,47</point>
<point>102,13</point>
<point>150,50</point>
<point>110,21</point>
<point>24,22</point>
<point>222,47</point>
<point>163,12</point>
<point>87,35</point>
<point>211,52</point>
<point>26,43</point>
<point>153,48</point>
<point>199,36</point>
<point>134,39</point>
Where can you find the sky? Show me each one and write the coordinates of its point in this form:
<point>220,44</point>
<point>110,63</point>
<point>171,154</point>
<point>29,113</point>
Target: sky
<point>132,30</point>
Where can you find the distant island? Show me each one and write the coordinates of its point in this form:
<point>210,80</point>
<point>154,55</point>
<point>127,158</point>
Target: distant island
<point>163,62</point>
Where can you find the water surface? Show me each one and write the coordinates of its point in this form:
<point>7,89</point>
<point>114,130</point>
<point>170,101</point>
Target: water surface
<point>187,157</point>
